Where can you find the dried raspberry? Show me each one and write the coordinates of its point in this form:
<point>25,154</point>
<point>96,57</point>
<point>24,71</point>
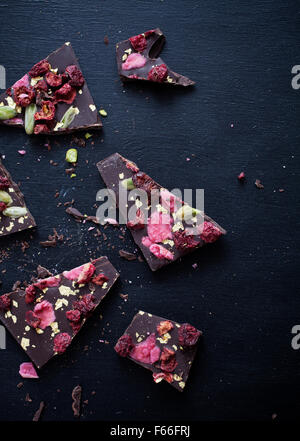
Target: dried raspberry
<point>8,92</point>
<point>161,252</point>
<point>168,360</point>
<point>131,165</point>
<point>61,342</point>
<point>4,302</point>
<point>162,376</point>
<point>146,351</point>
<point>139,222</point>
<point>76,77</point>
<point>73,315</point>
<point>45,312</point>
<point>159,227</point>
<point>143,181</point>
<point>164,326</point>
<point>86,273</point>
<point>47,112</point>
<point>47,282</point>
<point>30,293</point>
<point>65,94</point>
<point>124,345</point>
<point>184,241</point>
<point>4,183</point>
<point>134,61</point>
<point>241,176</point>
<point>23,96</point>
<point>41,128</point>
<point>138,42</point>
<point>85,305</point>
<point>3,206</point>
<point>41,86</point>
<point>53,80</point>
<point>100,279</point>
<point>210,232</point>
<point>39,68</point>
<point>158,73</point>
<point>148,33</point>
<point>188,335</point>
<point>32,319</point>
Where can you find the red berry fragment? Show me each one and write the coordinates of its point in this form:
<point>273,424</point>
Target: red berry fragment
<point>164,326</point>
<point>141,180</point>
<point>86,273</point>
<point>138,42</point>
<point>61,342</point>
<point>210,232</point>
<point>3,206</point>
<point>241,176</point>
<point>4,302</point>
<point>139,222</point>
<point>30,293</point>
<point>158,73</point>
<point>39,68</point>
<point>188,335</point>
<point>75,75</point>
<point>73,315</point>
<point>100,279</point>
<point>47,111</point>
<point>41,86</point>
<point>158,377</point>
<point>53,79</point>
<point>65,94</point>
<point>124,345</point>
<point>85,305</point>
<point>4,183</point>
<point>131,165</point>
<point>168,360</point>
<point>23,96</point>
<point>32,319</point>
<point>184,241</point>
<point>41,128</point>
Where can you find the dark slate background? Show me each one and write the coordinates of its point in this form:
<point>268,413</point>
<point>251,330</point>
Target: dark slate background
<point>243,294</point>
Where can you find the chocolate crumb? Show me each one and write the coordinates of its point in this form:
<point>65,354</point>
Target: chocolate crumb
<point>28,398</point>
<point>259,184</point>
<point>75,213</point>
<point>105,39</point>
<point>126,255</point>
<point>38,413</point>
<point>19,385</point>
<point>16,285</point>
<point>76,396</point>
<point>42,272</point>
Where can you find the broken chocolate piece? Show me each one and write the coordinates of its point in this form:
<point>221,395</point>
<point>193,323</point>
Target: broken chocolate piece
<point>164,238</point>
<point>126,255</point>
<point>14,215</point>
<point>52,98</point>
<point>49,300</point>
<point>138,59</point>
<point>150,343</point>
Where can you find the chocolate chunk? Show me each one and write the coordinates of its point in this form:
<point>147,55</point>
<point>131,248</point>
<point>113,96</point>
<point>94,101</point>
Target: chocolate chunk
<point>54,92</point>
<point>37,317</point>
<point>163,346</point>
<point>126,255</point>
<point>12,197</point>
<point>76,397</point>
<point>75,213</point>
<point>160,247</point>
<point>38,413</point>
<point>42,273</point>
<point>138,59</point>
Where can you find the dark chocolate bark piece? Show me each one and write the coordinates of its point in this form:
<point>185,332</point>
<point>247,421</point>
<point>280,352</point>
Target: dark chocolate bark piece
<point>171,242</point>
<point>14,215</point>
<point>45,317</point>
<point>52,98</point>
<point>165,347</point>
<point>138,59</point>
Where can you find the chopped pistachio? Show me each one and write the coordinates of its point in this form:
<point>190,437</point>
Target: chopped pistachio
<point>5,197</point>
<point>15,211</point>
<point>67,118</point>
<point>88,135</point>
<point>71,156</point>
<point>128,184</point>
<point>186,212</point>
<point>29,118</point>
<point>103,112</point>
<point>7,112</point>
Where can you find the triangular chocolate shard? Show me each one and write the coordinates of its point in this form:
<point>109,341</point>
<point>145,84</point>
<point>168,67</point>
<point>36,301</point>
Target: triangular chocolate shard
<point>52,98</point>
<point>137,59</point>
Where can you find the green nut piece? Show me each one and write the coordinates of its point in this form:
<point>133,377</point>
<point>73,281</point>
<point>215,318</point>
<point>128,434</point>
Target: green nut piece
<point>7,112</point>
<point>5,197</point>
<point>15,211</point>
<point>186,212</point>
<point>71,155</point>
<point>128,184</point>
<point>68,117</point>
<point>103,112</point>
<point>29,118</point>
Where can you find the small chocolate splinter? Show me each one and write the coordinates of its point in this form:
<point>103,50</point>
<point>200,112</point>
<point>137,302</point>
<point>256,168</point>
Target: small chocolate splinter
<point>76,397</point>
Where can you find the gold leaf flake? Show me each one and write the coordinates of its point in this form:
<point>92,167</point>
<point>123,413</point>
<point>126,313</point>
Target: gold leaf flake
<point>178,226</point>
<point>15,304</point>
<point>104,285</point>
<point>177,378</point>
<point>60,302</point>
<point>124,57</point>
<point>27,328</point>
<point>39,331</point>
<point>66,291</point>
<point>181,384</point>
<point>141,312</point>
<point>121,175</point>
<point>25,342</point>
<point>92,107</point>
<point>128,51</point>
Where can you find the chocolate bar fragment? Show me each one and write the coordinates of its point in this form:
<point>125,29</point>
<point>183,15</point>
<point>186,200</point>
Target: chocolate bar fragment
<point>14,215</point>
<point>52,98</point>
<point>165,235</point>
<point>163,346</point>
<point>45,317</point>
<point>138,59</point>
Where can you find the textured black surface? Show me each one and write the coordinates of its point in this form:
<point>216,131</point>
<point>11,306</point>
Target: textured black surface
<point>243,294</point>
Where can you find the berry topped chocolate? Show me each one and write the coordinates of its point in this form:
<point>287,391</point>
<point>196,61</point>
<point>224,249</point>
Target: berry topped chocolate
<point>163,346</point>
<point>14,215</point>
<point>45,317</point>
<point>52,98</point>
<point>165,230</point>
<point>138,59</point>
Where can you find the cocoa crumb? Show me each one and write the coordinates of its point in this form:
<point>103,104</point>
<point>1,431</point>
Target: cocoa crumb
<point>28,398</point>
<point>106,40</point>
<point>42,272</point>
<point>19,385</point>
<point>76,396</point>
<point>38,413</point>
<point>126,255</point>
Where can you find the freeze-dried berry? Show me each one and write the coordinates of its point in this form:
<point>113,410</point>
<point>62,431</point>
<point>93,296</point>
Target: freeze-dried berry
<point>39,69</point>
<point>46,113</point>
<point>161,252</point>
<point>65,94</point>
<point>47,283</point>
<point>86,273</point>
<point>23,96</point>
<point>184,241</point>
<point>85,305</point>
<point>32,319</point>
<point>30,293</point>
<point>210,232</point>
<point>4,302</point>
<point>158,73</point>
<point>146,351</point>
<point>138,222</point>
<point>148,33</point>
<point>100,279</point>
<point>124,345</point>
<point>73,315</point>
<point>41,128</point>
<point>158,377</point>
<point>159,227</point>
<point>131,165</point>
<point>61,342</point>
<point>164,326</point>
<point>41,86</point>
<point>3,206</point>
<point>45,312</point>
<point>53,79</point>
<point>168,360</point>
<point>143,181</point>
<point>138,42</point>
<point>188,335</point>
<point>134,61</point>
<point>4,183</point>
<point>75,75</point>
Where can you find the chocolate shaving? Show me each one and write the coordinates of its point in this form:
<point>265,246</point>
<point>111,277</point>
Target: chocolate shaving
<point>259,184</point>
<point>75,213</point>
<point>126,255</point>
<point>16,285</point>
<point>76,396</point>
<point>42,272</point>
<point>38,413</point>
<point>52,239</point>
